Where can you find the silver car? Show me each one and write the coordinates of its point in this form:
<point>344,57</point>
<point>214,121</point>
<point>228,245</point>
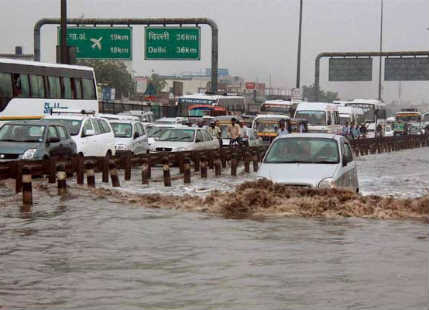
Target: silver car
<point>311,159</point>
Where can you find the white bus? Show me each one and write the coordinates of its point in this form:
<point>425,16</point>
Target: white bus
<point>30,90</point>
<point>232,104</point>
<point>374,110</point>
<point>321,116</point>
<point>282,107</point>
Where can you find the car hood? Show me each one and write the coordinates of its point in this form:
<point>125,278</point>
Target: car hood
<point>172,144</point>
<point>17,147</point>
<point>297,173</point>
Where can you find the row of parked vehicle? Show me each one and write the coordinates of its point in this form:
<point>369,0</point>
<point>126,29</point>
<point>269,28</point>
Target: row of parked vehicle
<point>78,132</point>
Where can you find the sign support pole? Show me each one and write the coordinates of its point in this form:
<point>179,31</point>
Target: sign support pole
<point>358,54</point>
<point>139,21</point>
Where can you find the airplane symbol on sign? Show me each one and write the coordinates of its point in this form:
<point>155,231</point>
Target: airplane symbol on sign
<point>97,42</point>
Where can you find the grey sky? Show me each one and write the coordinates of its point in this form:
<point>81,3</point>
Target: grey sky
<point>257,37</point>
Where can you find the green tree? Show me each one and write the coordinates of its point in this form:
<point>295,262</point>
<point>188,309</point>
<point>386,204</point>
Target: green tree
<point>114,74</point>
<point>157,82</point>
<point>309,93</point>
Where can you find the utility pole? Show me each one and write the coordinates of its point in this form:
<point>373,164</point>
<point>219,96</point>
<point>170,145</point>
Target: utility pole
<point>381,50</point>
<point>64,51</point>
<point>298,66</point>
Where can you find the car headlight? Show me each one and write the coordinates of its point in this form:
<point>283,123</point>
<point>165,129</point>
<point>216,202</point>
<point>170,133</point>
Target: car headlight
<point>29,154</point>
<point>327,183</point>
<point>121,147</point>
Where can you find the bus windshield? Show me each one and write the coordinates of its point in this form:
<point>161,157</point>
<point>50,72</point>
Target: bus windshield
<point>408,117</point>
<point>315,118</point>
<point>267,125</point>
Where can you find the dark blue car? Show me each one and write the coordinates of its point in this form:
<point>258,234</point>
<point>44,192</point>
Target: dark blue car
<point>34,140</point>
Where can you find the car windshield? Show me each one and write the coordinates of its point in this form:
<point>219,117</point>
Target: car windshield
<point>122,130</point>
<point>165,122</point>
<point>304,150</point>
<point>22,133</point>
<point>72,125</point>
<point>155,132</point>
<point>174,134</point>
<point>315,118</point>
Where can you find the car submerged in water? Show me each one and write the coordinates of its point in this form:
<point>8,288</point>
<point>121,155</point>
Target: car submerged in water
<point>311,160</point>
<point>34,140</point>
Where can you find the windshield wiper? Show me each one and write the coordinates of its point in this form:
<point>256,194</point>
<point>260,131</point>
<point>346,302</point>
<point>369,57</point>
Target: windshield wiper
<point>10,140</point>
<point>30,140</point>
<point>326,162</point>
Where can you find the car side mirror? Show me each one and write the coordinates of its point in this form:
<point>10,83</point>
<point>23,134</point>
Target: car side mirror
<point>345,161</point>
<point>197,140</point>
<point>88,132</point>
<point>53,140</point>
<point>136,135</point>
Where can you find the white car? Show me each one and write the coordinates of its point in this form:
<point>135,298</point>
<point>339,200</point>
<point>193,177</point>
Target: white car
<point>169,121</point>
<point>130,136</point>
<point>184,139</point>
<point>312,160</point>
<point>93,135</point>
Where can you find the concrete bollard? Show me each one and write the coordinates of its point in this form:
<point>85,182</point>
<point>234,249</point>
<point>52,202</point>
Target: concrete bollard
<point>166,170</point>
<point>255,162</point>
<point>247,163</point>
<point>114,174</point>
<point>186,171</point>
<point>234,164</point>
<point>127,166</point>
<point>203,168</point>
<point>79,172</point>
<point>27,188</point>
<point>196,158</point>
<point>211,160</point>
<point>218,166</point>
<point>90,176</point>
<point>181,161</point>
<point>18,177</point>
<point>145,168</point>
<point>105,176</point>
<point>61,179</point>
<point>52,170</point>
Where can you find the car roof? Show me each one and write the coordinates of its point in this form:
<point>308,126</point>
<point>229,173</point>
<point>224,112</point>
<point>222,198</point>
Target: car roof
<point>32,122</point>
<point>70,116</point>
<point>311,135</point>
<point>127,121</point>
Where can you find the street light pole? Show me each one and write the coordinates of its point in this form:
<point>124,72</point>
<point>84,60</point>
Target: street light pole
<point>381,50</point>
<point>64,51</point>
<point>298,69</point>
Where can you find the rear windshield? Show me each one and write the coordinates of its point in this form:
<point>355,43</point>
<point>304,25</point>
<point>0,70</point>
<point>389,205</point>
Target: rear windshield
<point>181,135</point>
<point>72,125</point>
<point>304,150</point>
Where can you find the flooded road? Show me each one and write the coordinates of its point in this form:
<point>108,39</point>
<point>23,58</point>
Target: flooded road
<point>88,252</point>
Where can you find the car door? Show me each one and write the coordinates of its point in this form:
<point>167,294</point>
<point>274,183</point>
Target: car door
<point>141,140</point>
<point>348,167</point>
<point>66,143</point>
<point>88,138</point>
<point>208,140</point>
<point>199,140</point>
<point>53,142</point>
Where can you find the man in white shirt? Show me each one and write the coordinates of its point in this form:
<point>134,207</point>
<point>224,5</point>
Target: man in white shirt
<point>282,131</point>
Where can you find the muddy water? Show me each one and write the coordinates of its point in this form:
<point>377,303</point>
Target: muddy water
<point>85,253</point>
<point>95,251</point>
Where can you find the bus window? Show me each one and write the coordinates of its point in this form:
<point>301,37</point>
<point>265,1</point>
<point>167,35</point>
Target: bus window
<point>54,87</point>
<point>329,121</point>
<point>77,88</point>
<point>66,88</point>
<point>21,85</point>
<point>88,89</point>
<point>37,86</point>
<point>5,85</point>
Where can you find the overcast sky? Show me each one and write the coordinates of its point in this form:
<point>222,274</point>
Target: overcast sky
<point>258,38</point>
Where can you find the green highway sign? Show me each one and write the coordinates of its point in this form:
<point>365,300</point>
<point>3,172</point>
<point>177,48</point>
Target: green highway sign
<point>172,43</point>
<point>100,42</point>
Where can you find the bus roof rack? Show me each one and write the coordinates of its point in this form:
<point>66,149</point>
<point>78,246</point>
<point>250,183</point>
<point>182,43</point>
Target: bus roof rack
<point>72,111</point>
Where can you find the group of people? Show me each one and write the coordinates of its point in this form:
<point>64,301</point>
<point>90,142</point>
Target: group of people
<point>237,132</point>
<point>354,131</point>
